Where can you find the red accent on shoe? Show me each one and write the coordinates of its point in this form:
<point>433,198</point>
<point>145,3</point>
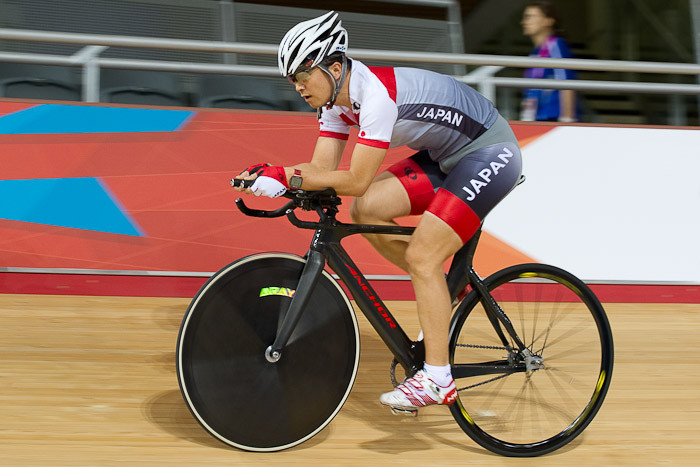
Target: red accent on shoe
<point>450,397</point>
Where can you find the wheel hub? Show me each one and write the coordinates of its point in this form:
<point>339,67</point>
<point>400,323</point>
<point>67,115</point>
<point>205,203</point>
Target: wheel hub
<point>533,362</point>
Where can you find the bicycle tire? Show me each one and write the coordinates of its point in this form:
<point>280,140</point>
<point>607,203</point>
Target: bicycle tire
<point>527,414</point>
<point>227,383</point>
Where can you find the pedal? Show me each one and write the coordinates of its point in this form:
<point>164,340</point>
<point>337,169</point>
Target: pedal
<point>407,412</point>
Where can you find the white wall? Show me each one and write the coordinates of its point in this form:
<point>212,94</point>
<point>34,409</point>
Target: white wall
<point>609,204</point>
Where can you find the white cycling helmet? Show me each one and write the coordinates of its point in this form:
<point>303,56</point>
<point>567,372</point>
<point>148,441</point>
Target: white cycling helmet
<point>307,44</point>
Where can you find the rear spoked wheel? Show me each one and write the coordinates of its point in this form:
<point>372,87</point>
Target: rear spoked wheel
<point>532,402</point>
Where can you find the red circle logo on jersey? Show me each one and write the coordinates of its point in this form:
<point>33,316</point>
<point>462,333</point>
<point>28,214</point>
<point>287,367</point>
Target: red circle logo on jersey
<point>362,133</point>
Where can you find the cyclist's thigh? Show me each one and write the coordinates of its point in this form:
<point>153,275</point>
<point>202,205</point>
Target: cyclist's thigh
<point>420,177</point>
<point>385,199</point>
<point>475,185</point>
<point>405,188</point>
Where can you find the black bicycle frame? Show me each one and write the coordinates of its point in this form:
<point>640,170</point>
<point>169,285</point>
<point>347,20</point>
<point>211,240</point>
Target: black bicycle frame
<point>326,248</point>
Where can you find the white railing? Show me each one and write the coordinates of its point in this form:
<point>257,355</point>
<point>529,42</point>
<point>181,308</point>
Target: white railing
<point>483,77</point>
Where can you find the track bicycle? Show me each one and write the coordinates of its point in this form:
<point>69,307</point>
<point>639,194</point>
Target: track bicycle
<point>269,348</point>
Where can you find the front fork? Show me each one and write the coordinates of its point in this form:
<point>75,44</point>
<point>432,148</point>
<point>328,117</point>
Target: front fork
<point>315,263</point>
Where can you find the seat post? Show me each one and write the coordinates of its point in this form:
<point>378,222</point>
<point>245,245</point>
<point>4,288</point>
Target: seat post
<point>457,278</point>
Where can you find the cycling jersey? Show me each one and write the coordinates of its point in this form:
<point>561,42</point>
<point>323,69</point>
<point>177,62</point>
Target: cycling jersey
<point>468,157</point>
<point>410,107</point>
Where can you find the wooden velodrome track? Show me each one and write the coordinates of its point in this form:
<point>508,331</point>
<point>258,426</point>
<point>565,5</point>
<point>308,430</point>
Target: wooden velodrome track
<point>91,381</point>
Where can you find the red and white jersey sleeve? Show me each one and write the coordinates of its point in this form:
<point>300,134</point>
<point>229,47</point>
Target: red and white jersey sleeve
<point>373,109</point>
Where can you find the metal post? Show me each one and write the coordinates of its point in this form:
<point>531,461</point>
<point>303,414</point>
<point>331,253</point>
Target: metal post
<point>482,77</point>
<point>228,28</point>
<point>454,23</point>
<point>91,81</point>
<point>695,10</point>
<point>677,112</point>
<point>488,89</point>
<point>91,71</point>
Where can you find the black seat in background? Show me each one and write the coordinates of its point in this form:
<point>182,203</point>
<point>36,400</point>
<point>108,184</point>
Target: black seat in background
<point>141,87</point>
<point>30,81</point>
<point>240,92</point>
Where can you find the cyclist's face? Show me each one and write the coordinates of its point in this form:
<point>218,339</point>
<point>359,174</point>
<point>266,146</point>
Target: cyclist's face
<point>314,86</point>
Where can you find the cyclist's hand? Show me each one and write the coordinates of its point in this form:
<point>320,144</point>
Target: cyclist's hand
<point>255,168</point>
<point>267,186</point>
<point>248,174</point>
<point>271,181</point>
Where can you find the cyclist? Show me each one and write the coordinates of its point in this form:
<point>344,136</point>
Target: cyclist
<point>468,159</point>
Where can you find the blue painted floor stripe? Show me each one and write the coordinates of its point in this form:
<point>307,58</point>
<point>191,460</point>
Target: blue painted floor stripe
<point>61,119</point>
<point>79,203</point>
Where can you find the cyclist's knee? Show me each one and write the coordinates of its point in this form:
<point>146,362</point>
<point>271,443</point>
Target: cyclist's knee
<point>384,201</point>
<point>358,212</point>
<point>421,262</point>
<point>366,210</point>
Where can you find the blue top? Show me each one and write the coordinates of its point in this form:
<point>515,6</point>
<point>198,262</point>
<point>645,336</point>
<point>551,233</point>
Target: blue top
<point>548,99</point>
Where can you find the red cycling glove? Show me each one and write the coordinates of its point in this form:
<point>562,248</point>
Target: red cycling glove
<point>275,172</point>
<point>255,168</point>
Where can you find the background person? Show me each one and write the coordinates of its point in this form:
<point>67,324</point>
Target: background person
<point>541,24</point>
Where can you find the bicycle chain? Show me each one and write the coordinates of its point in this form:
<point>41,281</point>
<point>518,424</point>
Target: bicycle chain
<point>482,383</point>
<point>392,372</point>
<point>489,347</point>
<point>394,362</point>
<point>476,346</point>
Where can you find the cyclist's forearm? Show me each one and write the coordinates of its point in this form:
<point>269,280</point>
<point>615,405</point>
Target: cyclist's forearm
<point>309,167</point>
<point>364,165</point>
<point>344,182</point>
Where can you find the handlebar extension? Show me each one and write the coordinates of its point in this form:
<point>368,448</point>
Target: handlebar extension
<point>260,213</point>
<point>237,182</point>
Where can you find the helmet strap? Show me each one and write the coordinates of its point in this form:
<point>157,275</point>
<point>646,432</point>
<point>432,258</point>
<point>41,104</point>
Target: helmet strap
<point>339,82</point>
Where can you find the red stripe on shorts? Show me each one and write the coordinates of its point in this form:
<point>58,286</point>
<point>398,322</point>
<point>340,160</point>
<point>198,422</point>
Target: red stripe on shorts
<point>417,184</point>
<point>456,213</point>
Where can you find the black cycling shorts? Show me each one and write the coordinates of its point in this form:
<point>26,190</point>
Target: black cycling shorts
<point>462,198</point>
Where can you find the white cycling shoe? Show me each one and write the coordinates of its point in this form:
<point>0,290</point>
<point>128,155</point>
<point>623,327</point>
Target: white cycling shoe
<point>419,391</point>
